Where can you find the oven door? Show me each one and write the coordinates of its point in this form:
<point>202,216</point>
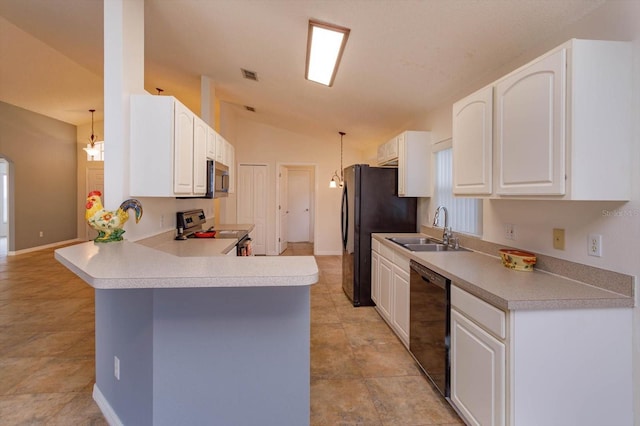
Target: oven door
<point>429,311</point>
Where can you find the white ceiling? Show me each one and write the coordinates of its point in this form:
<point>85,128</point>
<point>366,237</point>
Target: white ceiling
<point>403,57</point>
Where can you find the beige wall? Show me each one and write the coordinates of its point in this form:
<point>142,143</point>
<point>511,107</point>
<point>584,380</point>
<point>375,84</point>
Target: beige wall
<point>256,142</point>
<point>42,155</point>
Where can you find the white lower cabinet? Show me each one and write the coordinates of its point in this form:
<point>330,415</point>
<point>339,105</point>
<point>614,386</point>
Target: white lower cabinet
<point>540,367</point>
<point>390,288</point>
<point>375,271</point>
<point>400,306</point>
<point>385,274</point>
<point>477,372</point>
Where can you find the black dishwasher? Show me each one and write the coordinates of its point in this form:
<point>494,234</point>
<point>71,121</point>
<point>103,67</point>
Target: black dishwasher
<point>429,324</point>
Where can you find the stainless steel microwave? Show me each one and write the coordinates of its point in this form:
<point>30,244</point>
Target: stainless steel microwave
<point>217,180</point>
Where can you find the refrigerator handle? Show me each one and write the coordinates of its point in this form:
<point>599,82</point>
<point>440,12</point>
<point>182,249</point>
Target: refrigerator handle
<point>344,216</point>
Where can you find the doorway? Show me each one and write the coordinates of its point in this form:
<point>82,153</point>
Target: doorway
<point>4,207</point>
<point>296,205</point>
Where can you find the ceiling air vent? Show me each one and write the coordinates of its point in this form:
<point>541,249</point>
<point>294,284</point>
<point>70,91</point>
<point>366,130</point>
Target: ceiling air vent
<point>249,108</point>
<point>249,75</point>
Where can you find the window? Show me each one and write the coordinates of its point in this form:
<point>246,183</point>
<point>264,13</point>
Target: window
<point>465,213</point>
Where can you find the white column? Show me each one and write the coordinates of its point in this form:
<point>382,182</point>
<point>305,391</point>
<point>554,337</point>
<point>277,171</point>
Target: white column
<point>123,75</point>
<point>207,101</point>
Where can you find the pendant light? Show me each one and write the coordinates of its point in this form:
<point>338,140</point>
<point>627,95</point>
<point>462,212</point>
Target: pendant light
<point>338,181</point>
<point>91,149</point>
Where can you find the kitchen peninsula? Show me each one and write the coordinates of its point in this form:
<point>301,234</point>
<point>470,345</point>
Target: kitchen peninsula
<point>198,339</point>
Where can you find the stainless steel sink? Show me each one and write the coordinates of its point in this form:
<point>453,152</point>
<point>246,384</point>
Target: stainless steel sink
<point>423,244</point>
<point>411,240</point>
<point>432,247</point>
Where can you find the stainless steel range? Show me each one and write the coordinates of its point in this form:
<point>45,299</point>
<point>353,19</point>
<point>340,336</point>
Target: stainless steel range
<point>190,225</point>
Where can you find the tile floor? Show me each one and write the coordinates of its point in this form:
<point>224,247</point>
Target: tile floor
<point>360,372</point>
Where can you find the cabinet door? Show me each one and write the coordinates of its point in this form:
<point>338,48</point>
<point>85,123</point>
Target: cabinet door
<point>183,150</point>
<point>401,149</point>
<point>230,154</point>
<point>472,143</point>
<point>400,311</point>
<point>375,276</point>
<point>477,373</point>
<point>414,164</point>
<point>220,149</point>
<point>211,144</point>
<point>385,277</point>
<point>530,128</point>
<point>200,130</point>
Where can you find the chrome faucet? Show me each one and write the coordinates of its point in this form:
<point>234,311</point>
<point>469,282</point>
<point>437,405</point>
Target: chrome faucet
<point>446,232</point>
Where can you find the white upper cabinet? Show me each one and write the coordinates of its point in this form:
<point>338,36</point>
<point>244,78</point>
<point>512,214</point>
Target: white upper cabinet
<point>530,128</point>
<point>221,144</point>
<point>388,153</point>
<point>561,128</point>
<point>169,148</point>
<point>472,143</point>
<point>200,136</point>
<point>182,144</point>
<point>211,144</point>
<point>411,152</point>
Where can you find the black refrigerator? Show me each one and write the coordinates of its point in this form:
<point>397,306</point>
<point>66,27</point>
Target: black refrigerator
<point>370,203</point>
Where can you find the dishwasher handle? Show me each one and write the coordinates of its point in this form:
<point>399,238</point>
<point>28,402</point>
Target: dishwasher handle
<point>428,275</point>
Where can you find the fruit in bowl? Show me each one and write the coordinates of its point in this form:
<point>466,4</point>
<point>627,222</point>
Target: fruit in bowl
<point>517,259</point>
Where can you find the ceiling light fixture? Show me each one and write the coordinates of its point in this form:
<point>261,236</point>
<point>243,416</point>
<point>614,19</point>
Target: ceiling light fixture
<point>91,148</point>
<point>325,44</point>
<point>338,181</point>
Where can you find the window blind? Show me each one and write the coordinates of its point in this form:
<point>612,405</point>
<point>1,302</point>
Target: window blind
<point>465,214</point>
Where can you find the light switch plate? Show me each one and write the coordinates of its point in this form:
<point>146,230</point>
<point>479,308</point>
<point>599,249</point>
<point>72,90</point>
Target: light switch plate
<point>558,238</point>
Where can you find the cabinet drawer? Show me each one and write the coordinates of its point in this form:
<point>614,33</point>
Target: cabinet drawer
<point>490,317</point>
<point>401,262</point>
<point>375,245</point>
<point>386,252</point>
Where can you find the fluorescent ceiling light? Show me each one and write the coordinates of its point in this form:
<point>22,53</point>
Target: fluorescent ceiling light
<point>325,44</point>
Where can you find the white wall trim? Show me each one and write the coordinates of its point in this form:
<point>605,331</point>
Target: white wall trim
<point>108,413</point>
<point>46,246</point>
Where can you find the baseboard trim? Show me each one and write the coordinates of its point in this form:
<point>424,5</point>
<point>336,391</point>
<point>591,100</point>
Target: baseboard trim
<point>108,413</point>
<point>46,246</point>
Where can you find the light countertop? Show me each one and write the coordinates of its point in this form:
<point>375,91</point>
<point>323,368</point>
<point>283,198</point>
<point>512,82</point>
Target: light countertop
<point>507,289</point>
<point>182,264</point>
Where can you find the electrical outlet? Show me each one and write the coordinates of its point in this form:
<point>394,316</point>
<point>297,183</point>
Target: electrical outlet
<point>161,221</point>
<point>594,245</point>
<point>510,231</point>
<point>558,238</point>
<point>41,234</point>
<point>116,367</point>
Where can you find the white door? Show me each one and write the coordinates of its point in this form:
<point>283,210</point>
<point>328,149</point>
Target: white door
<point>252,203</point>
<point>4,197</point>
<point>95,182</point>
<point>259,234</point>
<point>299,200</point>
<point>283,209</point>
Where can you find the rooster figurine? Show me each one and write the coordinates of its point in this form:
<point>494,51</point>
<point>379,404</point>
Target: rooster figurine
<point>109,224</point>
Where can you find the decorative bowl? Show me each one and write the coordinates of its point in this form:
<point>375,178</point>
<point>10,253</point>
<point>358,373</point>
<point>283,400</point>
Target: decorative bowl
<point>518,259</point>
<point>205,234</point>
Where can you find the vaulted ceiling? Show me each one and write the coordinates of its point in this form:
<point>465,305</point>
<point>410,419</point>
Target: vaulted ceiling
<point>403,57</point>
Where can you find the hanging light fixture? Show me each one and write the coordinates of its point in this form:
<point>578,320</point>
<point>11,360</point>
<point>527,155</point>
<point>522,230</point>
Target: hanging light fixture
<point>338,181</point>
<point>91,146</point>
